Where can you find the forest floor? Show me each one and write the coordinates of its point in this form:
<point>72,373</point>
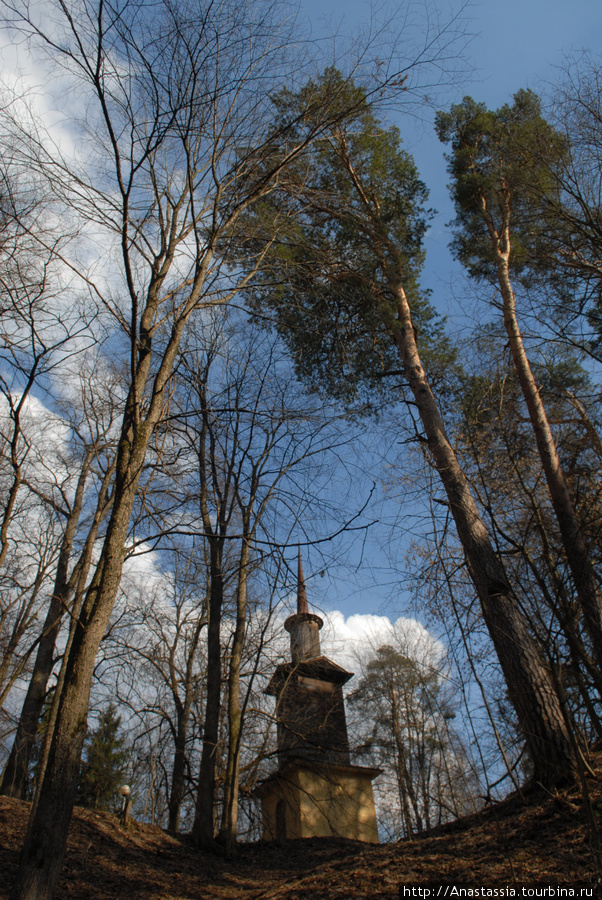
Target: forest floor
<point>541,840</point>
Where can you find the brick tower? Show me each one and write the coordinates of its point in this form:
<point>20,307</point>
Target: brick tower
<point>316,791</point>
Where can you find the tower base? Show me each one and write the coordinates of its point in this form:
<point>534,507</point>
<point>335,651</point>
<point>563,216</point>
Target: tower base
<point>306,799</point>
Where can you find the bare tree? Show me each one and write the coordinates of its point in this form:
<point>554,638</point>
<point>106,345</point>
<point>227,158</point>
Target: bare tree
<point>178,146</point>
<point>36,337</point>
<point>260,448</point>
<point>81,504</point>
<point>157,633</point>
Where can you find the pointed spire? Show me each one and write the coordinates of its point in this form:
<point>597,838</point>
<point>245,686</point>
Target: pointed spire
<point>301,593</point>
<point>303,626</point>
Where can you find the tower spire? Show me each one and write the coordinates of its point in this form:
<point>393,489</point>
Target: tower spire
<point>301,592</point>
<point>303,626</point>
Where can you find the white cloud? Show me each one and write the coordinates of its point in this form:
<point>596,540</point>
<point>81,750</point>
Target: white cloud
<point>352,641</point>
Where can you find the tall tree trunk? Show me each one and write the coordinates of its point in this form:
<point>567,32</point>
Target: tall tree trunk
<point>230,813</point>
<point>14,777</point>
<point>203,831</point>
<point>183,720</point>
<point>529,682</point>
<point>577,554</point>
<point>44,847</point>
<point>404,783</point>
<point>80,580</point>
<point>46,837</point>
<point>179,769</point>
<point>48,826</point>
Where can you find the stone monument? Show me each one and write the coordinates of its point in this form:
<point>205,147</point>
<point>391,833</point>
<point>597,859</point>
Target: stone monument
<point>316,791</point>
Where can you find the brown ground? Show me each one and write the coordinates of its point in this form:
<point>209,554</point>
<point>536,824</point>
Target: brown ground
<point>546,842</point>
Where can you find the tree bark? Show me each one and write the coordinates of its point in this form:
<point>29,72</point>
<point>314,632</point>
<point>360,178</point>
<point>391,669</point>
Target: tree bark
<point>80,579</point>
<point>230,814</point>
<point>44,847</point>
<point>404,782</point>
<point>203,831</point>
<point>179,768</point>
<point>183,720</point>
<point>15,775</point>
<point>529,682</point>
<point>577,554</point>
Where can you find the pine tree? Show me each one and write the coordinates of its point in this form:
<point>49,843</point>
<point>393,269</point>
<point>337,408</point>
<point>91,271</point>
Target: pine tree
<point>342,286</point>
<point>501,164</point>
<point>404,707</point>
<point>105,761</point>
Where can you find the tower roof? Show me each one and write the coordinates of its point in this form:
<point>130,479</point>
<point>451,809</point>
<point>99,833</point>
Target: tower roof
<point>319,667</point>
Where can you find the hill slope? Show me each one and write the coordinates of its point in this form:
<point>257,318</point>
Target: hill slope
<point>546,842</point>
